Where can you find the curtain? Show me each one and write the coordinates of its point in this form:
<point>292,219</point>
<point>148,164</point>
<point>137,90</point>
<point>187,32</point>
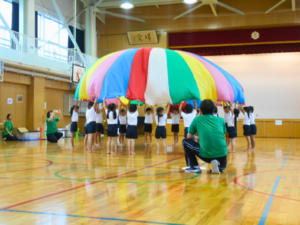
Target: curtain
<point>79,39</point>
<point>15,22</point>
<point>36,28</point>
<point>246,49</point>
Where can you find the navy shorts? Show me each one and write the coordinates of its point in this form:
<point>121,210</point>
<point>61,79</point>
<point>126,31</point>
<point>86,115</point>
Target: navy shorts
<point>247,130</point>
<point>131,132</point>
<point>91,127</point>
<point>122,129</point>
<point>175,128</point>
<point>160,132</point>
<point>73,127</point>
<point>232,133</point>
<point>100,128</point>
<point>112,130</point>
<point>226,128</point>
<point>148,128</point>
<point>85,129</point>
<point>186,130</point>
<point>253,129</point>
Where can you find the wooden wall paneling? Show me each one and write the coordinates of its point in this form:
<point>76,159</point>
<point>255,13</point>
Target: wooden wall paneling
<point>10,77</point>
<point>296,129</point>
<point>113,43</point>
<point>194,22</point>
<point>36,94</point>
<point>57,85</point>
<point>18,110</point>
<point>284,130</point>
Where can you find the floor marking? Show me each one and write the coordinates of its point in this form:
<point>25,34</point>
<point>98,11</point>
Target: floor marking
<point>50,163</point>
<point>266,211</point>
<point>288,151</point>
<point>88,217</point>
<point>71,189</point>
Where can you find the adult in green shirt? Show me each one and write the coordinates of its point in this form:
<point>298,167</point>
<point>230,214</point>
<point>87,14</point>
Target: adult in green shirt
<point>8,135</point>
<point>212,146</point>
<point>52,135</point>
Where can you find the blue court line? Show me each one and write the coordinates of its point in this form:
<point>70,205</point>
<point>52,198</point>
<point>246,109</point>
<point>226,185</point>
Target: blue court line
<point>265,213</point>
<point>88,217</point>
<point>286,155</point>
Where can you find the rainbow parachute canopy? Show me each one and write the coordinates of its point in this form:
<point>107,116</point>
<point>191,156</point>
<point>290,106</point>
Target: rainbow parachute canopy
<point>157,76</point>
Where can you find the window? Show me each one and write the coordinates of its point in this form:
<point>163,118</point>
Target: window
<point>53,40</point>
<point>6,11</point>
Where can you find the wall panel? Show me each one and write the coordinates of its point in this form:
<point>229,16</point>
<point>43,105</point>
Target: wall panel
<point>113,43</point>
<point>18,110</point>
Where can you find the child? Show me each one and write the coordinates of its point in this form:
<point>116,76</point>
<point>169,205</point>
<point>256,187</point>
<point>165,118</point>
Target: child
<point>160,119</point>
<point>232,122</point>
<point>188,116</point>
<point>246,127</point>
<point>99,126</point>
<point>198,112</point>
<point>215,113</point>
<point>74,119</point>
<point>112,119</point>
<point>175,124</point>
<point>253,127</point>
<point>148,124</point>
<point>132,133</point>
<point>122,129</point>
<point>212,142</point>
<point>91,123</point>
<point>227,115</point>
<point>85,132</point>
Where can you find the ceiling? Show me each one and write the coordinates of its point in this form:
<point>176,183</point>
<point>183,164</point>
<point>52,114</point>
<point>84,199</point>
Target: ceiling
<point>168,8</point>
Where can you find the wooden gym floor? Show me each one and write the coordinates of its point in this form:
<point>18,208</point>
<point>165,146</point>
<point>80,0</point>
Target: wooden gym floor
<point>51,184</point>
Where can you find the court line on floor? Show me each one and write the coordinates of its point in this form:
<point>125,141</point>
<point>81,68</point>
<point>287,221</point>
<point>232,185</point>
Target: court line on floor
<point>287,154</point>
<point>71,189</point>
<point>265,213</point>
<point>267,208</point>
<point>50,163</point>
<point>88,217</point>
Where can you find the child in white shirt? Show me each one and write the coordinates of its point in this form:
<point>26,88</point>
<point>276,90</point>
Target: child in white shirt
<point>160,119</point>
<point>231,130</point>
<point>148,124</point>
<point>227,115</point>
<point>123,127</point>
<point>100,128</point>
<point>188,116</point>
<point>112,113</point>
<point>132,133</point>
<point>253,127</point>
<point>246,126</point>
<point>175,124</point>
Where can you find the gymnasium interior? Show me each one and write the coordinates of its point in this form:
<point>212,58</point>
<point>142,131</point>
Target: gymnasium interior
<point>47,46</point>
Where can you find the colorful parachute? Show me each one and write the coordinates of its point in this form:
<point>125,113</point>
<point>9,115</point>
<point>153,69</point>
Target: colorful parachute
<point>157,76</point>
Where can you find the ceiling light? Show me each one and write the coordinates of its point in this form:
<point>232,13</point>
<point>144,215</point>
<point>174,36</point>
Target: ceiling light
<point>190,1</point>
<point>126,4</point>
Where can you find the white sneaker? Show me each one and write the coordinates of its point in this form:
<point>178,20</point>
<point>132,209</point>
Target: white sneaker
<point>185,168</point>
<point>193,170</point>
<point>4,139</point>
<point>215,167</point>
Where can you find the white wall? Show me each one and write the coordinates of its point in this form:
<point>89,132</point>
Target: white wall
<point>271,82</point>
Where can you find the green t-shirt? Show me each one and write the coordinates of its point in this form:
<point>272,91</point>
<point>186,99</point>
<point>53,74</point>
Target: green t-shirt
<point>211,132</point>
<point>51,126</point>
<point>9,126</point>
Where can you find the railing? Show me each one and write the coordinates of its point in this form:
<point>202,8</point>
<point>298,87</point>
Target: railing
<point>21,48</point>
